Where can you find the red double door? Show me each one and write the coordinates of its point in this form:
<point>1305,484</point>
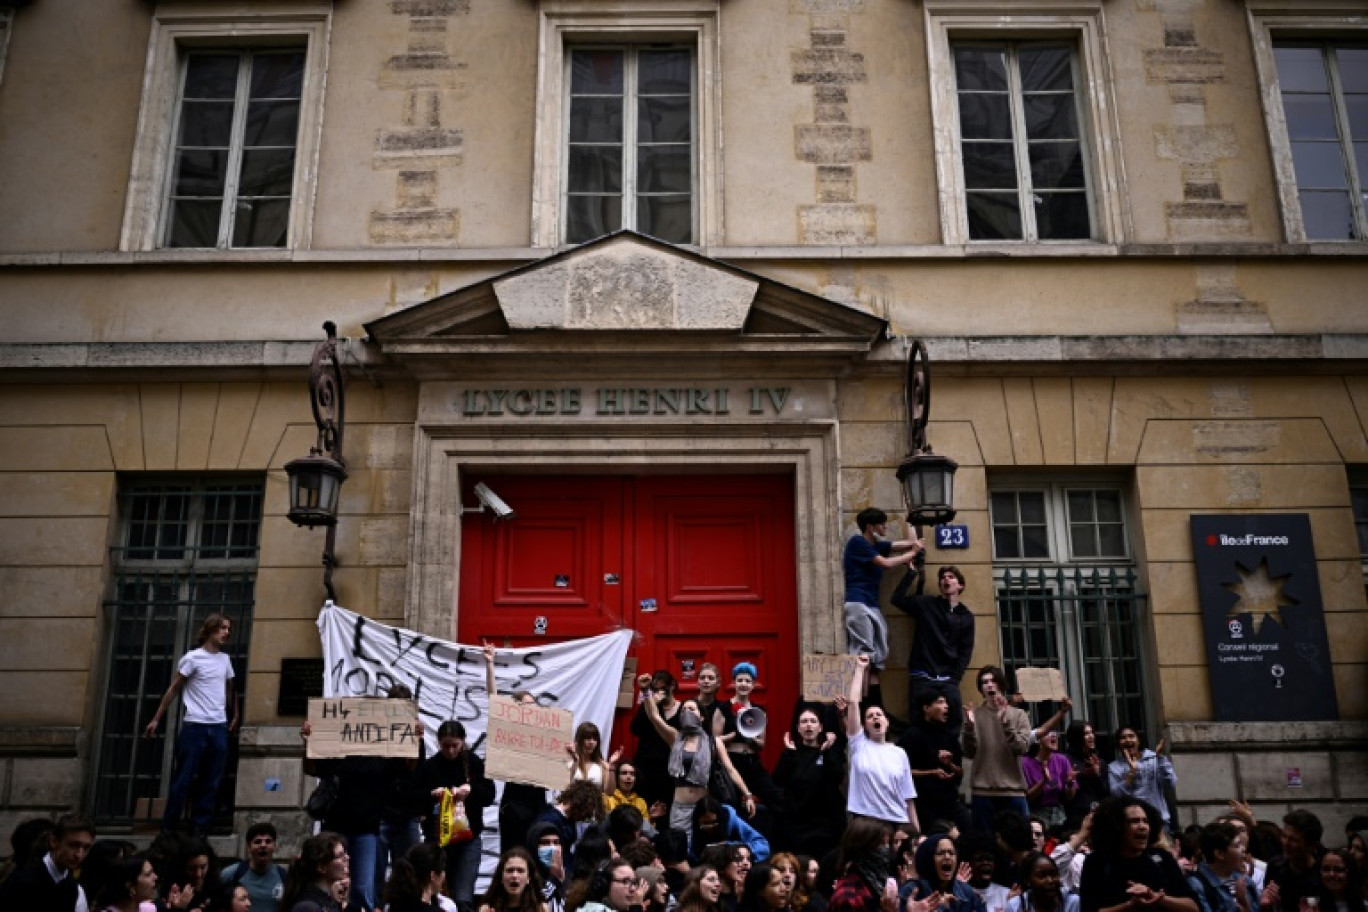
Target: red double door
<point>702,567</point>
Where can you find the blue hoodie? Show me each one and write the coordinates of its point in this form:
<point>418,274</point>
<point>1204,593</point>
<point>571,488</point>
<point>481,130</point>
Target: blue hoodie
<point>738,830</point>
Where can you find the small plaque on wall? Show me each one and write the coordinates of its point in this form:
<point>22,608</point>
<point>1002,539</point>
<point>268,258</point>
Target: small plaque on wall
<point>300,679</point>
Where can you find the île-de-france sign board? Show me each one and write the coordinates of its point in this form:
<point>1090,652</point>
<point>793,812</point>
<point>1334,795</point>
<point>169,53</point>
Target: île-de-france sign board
<point>527,743</point>
<point>1263,618</point>
<point>362,727</point>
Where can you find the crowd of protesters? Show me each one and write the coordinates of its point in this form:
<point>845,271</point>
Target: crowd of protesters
<point>857,822</point>
<point>850,818</point>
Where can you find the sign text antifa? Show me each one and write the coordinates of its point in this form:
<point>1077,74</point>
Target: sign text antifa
<point>361,674</point>
<point>370,723</point>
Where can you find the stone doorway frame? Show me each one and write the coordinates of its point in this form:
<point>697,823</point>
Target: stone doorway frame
<point>443,452</point>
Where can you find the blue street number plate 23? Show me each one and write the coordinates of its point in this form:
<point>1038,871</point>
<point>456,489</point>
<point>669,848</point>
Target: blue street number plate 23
<point>952,536</point>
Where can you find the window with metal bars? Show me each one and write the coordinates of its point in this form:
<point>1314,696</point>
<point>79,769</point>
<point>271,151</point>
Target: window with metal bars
<point>630,147</point>
<point>1067,598</point>
<point>233,159</point>
<point>186,549</point>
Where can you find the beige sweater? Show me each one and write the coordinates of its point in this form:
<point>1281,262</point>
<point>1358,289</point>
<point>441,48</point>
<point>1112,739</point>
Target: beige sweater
<point>996,749</point>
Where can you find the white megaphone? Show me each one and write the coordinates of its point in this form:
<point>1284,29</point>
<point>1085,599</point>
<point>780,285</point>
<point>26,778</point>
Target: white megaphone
<point>751,722</point>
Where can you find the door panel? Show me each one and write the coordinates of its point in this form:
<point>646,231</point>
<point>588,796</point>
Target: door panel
<point>549,563</point>
<point>701,567</point>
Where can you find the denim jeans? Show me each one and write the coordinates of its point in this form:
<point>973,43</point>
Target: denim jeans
<point>201,757</point>
<point>395,841</point>
<point>986,807</point>
<point>462,868</point>
<point>364,849</point>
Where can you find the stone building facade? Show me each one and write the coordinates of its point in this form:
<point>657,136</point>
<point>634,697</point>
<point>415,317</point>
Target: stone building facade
<point>1129,231</point>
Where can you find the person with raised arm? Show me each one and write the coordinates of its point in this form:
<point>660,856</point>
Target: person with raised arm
<point>880,775</point>
<point>692,752</point>
<point>867,555</point>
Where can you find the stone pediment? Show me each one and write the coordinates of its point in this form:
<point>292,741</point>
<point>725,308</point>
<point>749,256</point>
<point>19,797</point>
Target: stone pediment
<point>625,284</point>
<point>629,295</point>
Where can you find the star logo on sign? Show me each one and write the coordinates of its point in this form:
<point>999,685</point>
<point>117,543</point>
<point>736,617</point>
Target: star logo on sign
<point>1260,595</point>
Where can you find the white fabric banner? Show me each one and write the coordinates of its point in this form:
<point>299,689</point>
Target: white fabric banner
<point>363,658</point>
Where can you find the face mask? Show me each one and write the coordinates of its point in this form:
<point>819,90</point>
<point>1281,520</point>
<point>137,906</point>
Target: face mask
<point>689,719</point>
<point>545,854</point>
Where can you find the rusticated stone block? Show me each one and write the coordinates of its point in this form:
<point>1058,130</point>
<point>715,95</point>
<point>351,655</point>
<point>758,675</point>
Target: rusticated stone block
<point>1196,143</point>
<point>1180,35</point>
<point>1286,776</point>
<point>49,782</point>
<point>1192,220</point>
<point>415,226</point>
<point>837,223</point>
<point>1224,317</point>
<point>1205,777</point>
<point>269,782</point>
<point>833,144</point>
<point>828,66</point>
<point>429,7</point>
<point>826,6</point>
<point>835,184</point>
<point>394,148</point>
<point>1184,64</point>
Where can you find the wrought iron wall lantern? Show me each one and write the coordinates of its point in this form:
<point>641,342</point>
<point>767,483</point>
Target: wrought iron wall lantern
<point>316,480</point>
<point>928,480</point>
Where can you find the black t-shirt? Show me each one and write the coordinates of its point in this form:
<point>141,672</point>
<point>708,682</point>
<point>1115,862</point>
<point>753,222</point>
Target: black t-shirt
<point>1292,887</point>
<point>711,710</point>
<point>1105,879</point>
<point>923,746</point>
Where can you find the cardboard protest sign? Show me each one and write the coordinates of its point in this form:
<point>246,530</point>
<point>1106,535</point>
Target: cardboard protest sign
<point>1037,684</point>
<point>826,677</point>
<point>362,727</point>
<point>526,743</point>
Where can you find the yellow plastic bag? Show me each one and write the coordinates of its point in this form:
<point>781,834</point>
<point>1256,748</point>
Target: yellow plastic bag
<point>452,824</point>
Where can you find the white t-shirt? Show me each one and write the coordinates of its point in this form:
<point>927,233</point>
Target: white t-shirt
<point>995,897</point>
<point>880,780</point>
<point>206,685</point>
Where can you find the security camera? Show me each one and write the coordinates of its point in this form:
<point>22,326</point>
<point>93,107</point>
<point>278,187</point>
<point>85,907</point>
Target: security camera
<point>493,502</point>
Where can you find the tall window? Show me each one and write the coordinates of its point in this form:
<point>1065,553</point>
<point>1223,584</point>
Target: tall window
<point>630,159</point>
<point>236,133</point>
<point>1324,90</point>
<point>186,550</point>
<point>1021,150</point>
<point>1067,596</point>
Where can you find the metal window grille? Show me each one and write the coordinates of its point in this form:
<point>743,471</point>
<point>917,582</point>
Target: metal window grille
<point>187,551</point>
<point>1085,620</point>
